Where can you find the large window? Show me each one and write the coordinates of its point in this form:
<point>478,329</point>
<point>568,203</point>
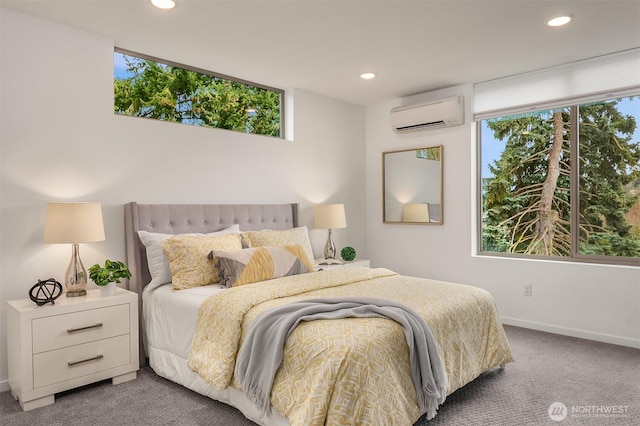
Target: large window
<point>153,88</point>
<point>563,183</point>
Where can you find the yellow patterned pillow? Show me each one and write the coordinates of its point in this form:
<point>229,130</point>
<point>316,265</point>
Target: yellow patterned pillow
<point>188,260</point>
<point>287,237</point>
<point>251,265</point>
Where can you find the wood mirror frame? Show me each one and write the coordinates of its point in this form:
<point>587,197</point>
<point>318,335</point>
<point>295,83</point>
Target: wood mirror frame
<point>412,186</point>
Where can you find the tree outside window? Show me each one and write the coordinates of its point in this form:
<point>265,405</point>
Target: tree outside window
<point>148,88</point>
<point>563,183</point>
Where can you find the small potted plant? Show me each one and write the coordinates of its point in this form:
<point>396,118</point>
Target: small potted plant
<point>108,276</point>
<point>348,253</point>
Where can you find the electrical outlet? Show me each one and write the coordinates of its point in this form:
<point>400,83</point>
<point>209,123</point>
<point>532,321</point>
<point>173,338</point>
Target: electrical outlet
<point>527,289</point>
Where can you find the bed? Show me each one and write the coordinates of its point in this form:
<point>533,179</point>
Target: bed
<point>192,335</point>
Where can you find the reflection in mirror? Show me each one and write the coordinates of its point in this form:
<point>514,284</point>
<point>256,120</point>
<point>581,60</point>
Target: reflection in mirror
<point>412,186</point>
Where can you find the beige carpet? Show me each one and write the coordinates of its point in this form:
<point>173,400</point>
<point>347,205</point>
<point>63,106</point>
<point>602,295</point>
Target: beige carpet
<point>589,378</point>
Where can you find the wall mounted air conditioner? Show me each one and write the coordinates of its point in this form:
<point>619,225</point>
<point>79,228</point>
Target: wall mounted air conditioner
<point>431,115</point>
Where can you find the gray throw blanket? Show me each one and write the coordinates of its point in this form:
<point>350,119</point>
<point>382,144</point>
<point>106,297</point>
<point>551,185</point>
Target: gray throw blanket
<point>261,353</point>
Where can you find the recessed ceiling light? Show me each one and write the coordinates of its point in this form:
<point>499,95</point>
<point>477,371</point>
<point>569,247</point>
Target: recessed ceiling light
<point>367,75</point>
<point>164,4</point>
<point>559,21</point>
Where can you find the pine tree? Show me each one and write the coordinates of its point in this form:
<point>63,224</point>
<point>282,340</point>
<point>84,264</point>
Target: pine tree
<point>527,200</point>
<point>175,94</point>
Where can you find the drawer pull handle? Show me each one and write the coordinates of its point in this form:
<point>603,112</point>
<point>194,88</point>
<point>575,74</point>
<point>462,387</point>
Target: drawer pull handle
<point>72,363</point>
<point>73,330</point>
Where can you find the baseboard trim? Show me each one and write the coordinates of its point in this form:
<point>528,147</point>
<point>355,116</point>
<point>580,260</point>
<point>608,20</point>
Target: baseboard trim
<point>4,386</point>
<point>573,332</point>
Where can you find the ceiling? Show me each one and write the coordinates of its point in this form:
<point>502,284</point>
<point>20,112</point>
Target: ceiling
<point>324,45</point>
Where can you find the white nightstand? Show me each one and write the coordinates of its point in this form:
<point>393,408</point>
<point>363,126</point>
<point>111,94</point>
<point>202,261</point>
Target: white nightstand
<point>356,262</point>
<point>76,341</point>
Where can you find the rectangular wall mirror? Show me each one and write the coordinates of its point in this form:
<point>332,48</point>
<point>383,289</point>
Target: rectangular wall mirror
<point>412,186</point>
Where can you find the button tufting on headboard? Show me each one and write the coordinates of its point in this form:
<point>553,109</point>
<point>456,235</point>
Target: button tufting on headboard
<point>201,218</point>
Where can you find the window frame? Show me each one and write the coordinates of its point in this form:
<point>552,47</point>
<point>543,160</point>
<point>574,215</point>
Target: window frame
<point>574,190</point>
<point>281,92</point>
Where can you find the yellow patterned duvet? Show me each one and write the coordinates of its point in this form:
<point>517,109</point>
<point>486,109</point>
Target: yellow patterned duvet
<point>353,371</point>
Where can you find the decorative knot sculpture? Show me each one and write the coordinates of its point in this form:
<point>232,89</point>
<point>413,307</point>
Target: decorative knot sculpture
<point>45,291</point>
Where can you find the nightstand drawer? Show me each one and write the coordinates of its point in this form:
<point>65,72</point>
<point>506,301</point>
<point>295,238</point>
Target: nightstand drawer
<point>97,335</point>
<point>81,360</point>
<point>76,328</point>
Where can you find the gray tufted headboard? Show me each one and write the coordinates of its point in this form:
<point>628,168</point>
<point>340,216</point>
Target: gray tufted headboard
<point>183,218</point>
<point>202,218</point>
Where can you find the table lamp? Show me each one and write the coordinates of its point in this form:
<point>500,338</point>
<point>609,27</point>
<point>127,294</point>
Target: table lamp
<point>329,216</point>
<point>418,213</point>
<point>73,223</point>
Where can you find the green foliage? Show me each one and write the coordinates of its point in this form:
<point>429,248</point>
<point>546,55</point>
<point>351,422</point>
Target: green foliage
<point>513,196</point>
<point>112,272</point>
<point>169,93</point>
<point>517,219</point>
<point>348,253</point>
<point>429,153</point>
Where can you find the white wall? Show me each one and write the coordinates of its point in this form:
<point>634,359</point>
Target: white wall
<point>60,141</point>
<point>577,299</point>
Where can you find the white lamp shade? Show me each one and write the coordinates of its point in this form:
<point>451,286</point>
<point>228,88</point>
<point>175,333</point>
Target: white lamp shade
<point>415,213</point>
<point>69,223</point>
<point>164,4</point>
<point>330,216</point>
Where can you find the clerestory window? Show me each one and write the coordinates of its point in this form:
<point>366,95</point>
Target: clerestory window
<point>163,90</point>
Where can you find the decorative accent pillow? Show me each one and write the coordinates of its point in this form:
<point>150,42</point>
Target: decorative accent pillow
<point>188,260</point>
<point>156,259</point>
<point>287,237</point>
<point>246,266</point>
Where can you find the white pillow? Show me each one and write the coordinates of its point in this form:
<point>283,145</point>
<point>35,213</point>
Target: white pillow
<point>157,260</point>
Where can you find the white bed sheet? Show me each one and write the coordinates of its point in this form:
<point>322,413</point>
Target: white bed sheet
<point>169,321</point>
